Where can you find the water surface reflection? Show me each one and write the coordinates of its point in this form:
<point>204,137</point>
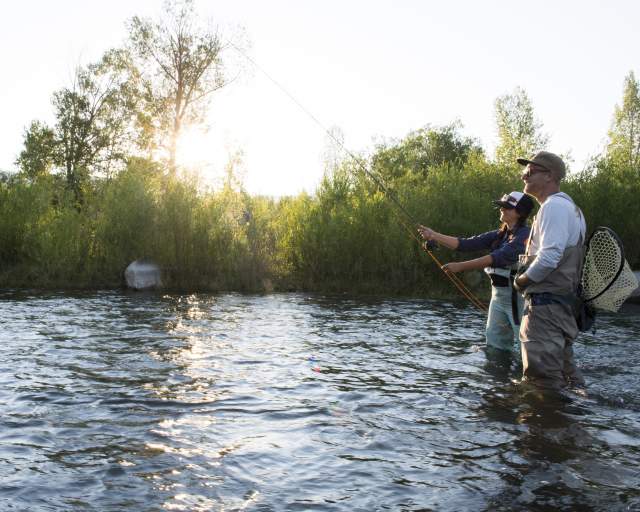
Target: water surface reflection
<point>294,402</point>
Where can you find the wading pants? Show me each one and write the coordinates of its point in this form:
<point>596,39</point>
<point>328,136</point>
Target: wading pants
<point>501,330</point>
<point>546,336</point>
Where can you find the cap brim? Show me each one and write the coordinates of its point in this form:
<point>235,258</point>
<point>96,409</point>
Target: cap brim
<point>503,204</point>
<point>524,161</point>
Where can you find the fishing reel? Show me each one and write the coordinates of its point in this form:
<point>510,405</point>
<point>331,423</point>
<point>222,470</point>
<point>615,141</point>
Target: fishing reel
<point>430,245</point>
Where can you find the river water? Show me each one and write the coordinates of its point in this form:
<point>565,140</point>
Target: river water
<point>115,401</point>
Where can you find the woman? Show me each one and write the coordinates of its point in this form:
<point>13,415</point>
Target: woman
<point>505,245</point>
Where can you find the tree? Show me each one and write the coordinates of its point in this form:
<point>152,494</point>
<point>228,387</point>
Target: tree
<point>181,66</point>
<point>37,157</point>
<point>93,132</point>
<point>519,132</point>
<point>95,118</point>
<point>422,149</point>
<point>624,136</point>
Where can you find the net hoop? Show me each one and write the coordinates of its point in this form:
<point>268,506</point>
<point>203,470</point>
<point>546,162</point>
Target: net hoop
<point>616,238</point>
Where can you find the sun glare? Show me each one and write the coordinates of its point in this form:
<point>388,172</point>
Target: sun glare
<point>262,166</point>
<point>196,150</point>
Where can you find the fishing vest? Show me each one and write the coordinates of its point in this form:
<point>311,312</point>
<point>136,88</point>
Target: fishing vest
<point>565,278</point>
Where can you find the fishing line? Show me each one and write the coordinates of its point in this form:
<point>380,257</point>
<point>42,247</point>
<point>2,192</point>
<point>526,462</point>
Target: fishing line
<point>375,178</point>
<point>378,181</point>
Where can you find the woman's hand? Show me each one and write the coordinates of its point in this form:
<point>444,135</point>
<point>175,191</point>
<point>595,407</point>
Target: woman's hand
<point>426,233</point>
<point>454,267</point>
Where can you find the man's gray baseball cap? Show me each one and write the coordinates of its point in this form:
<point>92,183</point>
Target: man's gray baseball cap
<point>549,161</point>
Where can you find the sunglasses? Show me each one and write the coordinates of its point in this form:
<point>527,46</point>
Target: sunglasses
<point>532,169</point>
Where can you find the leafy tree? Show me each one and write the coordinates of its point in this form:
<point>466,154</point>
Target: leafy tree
<point>93,133</point>
<point>519,133</point>
<point>624,136</point>
<point>94,119</point>
<point>423,149</point>
<point>37,157</point>
<point>181,65</point>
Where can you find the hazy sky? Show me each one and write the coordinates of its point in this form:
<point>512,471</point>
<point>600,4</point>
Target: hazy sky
<point>375,69</point>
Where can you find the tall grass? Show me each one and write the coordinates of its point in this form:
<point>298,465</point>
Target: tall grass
<point>347,236</point>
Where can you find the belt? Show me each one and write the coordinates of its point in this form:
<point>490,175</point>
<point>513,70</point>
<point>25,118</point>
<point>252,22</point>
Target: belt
<point>546,298</point>
<point>500,281</point>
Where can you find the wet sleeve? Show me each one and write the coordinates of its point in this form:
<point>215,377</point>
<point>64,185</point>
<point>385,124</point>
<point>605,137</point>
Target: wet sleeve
<point>478,242</point>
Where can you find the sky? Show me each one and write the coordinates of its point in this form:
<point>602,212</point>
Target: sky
<point>376,70</point>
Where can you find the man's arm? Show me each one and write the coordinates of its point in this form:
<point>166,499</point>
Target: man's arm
<point>521,282</point>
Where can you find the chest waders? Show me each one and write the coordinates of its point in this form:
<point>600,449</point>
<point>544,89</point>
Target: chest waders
<point>503,277</point>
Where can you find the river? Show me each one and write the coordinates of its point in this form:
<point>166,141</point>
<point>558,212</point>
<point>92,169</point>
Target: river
<point>120,401</point>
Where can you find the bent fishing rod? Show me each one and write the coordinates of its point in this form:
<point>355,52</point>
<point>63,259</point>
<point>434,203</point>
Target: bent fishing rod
<point>407,221</point>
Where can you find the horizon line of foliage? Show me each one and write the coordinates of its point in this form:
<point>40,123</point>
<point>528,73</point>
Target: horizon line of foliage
<point>102,187</point>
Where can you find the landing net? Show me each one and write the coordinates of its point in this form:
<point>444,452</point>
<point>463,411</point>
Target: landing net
<point>607,279</point>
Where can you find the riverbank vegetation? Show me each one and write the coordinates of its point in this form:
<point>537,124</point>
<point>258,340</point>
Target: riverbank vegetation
<point>102,186</point>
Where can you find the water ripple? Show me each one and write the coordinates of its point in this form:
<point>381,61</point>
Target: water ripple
<point>116,401</point>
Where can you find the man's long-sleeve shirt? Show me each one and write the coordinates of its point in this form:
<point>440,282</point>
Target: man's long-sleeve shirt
<point>558,225</point>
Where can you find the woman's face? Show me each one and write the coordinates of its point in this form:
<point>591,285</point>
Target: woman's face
<point>508,215</point>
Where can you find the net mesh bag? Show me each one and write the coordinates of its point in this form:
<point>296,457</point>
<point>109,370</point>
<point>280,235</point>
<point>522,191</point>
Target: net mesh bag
<point>607,279</point>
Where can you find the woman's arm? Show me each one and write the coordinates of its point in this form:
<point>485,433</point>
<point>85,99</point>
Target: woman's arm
<point>451,242</point>
<point>461,266</point>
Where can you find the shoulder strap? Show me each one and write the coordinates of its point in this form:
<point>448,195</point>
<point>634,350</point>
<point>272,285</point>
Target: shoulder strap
<point>533,227</point>
<point>581,238</point>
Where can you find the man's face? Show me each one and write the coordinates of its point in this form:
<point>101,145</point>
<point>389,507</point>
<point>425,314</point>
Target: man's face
<point>535,178</point>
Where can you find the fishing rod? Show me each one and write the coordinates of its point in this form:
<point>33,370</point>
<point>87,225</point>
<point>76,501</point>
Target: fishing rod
<point>412,226</point>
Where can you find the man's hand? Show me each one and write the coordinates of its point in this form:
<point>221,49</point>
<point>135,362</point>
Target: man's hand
<point>521,282</point>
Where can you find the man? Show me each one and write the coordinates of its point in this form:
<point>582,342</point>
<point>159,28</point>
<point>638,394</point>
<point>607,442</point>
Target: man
<point>552,265</point>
